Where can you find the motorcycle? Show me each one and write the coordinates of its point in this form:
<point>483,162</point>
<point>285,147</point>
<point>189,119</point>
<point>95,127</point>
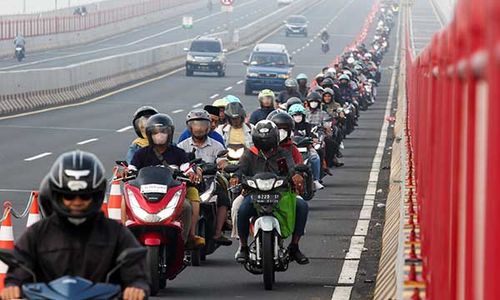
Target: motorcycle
<point>154,201</point>
<point>19,53</point>
<point>72,287</point>
<point>325,46</point>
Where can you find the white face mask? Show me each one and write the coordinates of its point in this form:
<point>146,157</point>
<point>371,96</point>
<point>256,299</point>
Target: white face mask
<point>313,104</point>
<point>298,118</point>
<point>160,138</point>
<point>77,221</point>
<point>283,134</point>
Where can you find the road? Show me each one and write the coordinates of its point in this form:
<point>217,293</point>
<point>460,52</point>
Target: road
<point>424,23</point>
<point>32,142</point>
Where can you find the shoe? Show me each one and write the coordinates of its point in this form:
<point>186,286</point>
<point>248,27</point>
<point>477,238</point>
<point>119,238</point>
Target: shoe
<point>195,242</point>
<point>318,185</point>
<point>297,255</point>
<point>338,164</point>
<point>223,241</point>
<point>242,255</point>
<point>327,171</point>
<point>341,147</point>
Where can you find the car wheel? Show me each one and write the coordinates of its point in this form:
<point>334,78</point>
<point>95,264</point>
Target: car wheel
<point>248,90</point>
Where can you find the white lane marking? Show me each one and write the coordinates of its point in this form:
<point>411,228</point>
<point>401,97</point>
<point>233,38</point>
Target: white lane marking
<point>350,267</point>
<point>214,96</point>
<point>228,88</point>
<point>87,141</point>
<point>38,156</point>
<point>240,82</point>
<point>15,191</point>
<point>356,248</point>
<point>197,105</point>
<point>342,292</point>
<point>124,128</point>
<point>177,111</point>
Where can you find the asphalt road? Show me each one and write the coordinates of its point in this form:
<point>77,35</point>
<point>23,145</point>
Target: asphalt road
<point>424,23</point>
<point>31,143</point>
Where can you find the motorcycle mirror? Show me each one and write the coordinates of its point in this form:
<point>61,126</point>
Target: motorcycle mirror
<point>127,255</point>
<point>222,153</point>
<point>302,168</point>
<point>231,168</point>
<point>121,163</point>
<point>8,257</point>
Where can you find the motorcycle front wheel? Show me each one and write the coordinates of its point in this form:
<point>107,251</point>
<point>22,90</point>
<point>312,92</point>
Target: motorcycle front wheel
<point>268,259</point>
<point>154,268</point>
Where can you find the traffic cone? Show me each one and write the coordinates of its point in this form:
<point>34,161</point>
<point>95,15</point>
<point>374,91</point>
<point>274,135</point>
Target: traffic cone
<point>6,240</point>
<point>104,206</point>
<point>115,201</point>
<point>34,215</point>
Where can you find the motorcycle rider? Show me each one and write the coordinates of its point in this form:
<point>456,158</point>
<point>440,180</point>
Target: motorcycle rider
<point>325,38</point>
<point>266,156</point>
<point>214,122</point>
<point>139,120</point>
<point>303,128</point>
<point>236,131</point>
<point>76,238</point>
<point>289,92</point>
<point>267,101</point>
<point>206,148</point>
<point>161,151</point>
<point>303,88</point>
<point>19,41</point>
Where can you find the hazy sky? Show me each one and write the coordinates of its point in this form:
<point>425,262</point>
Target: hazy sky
<point>10,7</point>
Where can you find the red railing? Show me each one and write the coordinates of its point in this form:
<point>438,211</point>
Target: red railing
<point>454,129</point>
<point>53,25</point>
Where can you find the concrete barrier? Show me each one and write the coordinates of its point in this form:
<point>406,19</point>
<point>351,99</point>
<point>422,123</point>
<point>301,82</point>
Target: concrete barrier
<point>61,85</point>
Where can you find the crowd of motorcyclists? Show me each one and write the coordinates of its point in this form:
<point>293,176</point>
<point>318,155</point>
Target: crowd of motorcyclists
<point>297,135</point>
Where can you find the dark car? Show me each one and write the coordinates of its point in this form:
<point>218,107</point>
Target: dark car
<point>296,25</point>
<point>206,55</point>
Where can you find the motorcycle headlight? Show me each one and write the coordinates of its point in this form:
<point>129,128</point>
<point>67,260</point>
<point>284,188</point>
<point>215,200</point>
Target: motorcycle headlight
<point>208,193</point>
<point>265,184</point>
<point>170,209</point>
<point>235,154</point>
<point>284,76</point>
<point>190,58</point>
<point>279,183</point>
<point>251,184</point>
<point>153,218</point>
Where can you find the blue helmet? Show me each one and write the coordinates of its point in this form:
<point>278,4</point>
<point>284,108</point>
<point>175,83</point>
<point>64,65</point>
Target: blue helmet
<point>296,109</point>
<point>231,99</point>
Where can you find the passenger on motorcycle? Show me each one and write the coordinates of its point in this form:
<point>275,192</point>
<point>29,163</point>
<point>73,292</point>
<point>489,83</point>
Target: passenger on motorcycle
<point>329,105</point>
<point>206,148</point>
<point>267,101</point>
<point>303,88</point>
<point>161,151</point>
<point>236,131</point>
<point>76,238</point>
<point>315,115</point>
<point>303,128</point>
<point>141,116</point>
<point>214,120</point>
<point>285,125</point>
<point>267,156</point>
<point>290,91</point>
<point>19,41</point>
<point>221,105</point>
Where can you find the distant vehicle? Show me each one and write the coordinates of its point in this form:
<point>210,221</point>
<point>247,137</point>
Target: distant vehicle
<point>296,25</point>
<point>206,55</point>
<point>268,66</point>
<point>284,2</point>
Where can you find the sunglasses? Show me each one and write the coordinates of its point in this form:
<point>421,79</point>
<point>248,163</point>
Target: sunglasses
<point>85,197</point>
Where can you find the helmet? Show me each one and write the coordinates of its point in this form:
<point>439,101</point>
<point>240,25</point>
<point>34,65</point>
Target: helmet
<point>301,76</point>
<point>231,99</point>
<point>75,173</point>
<point>197,114</point>
<point>291,83</point>
<point>285,125</point>
<point>328,91</point>
<point>314,96</point>
<point>266,93</point>
<point>344,77</point>
<point>292,101</point>
<point>330,75</point>
<point>297,109</point>
<point>327,82</point>
<point>318,89</point>
<point>220,103</point>
<point>265,135</point>
<point>200,117</point>
<point>348,73</point>
<point>235,110</point>
<point>143,111</point>
<point>160,123</point>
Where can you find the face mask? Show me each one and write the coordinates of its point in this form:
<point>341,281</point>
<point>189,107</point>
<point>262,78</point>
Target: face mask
<point>313,104</point>
<point>160,138</point>
<point>77,221</point>
<point>298,118</point>
<point>283,134</point>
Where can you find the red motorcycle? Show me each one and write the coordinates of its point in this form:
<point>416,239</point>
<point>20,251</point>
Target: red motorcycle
<point>154,199</point>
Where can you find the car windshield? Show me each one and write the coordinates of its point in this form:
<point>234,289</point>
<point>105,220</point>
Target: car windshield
<point>296,20</point>
<point>205,46</point>
<point>269,59</point>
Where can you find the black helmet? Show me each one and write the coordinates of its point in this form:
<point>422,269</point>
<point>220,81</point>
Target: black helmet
<point>74,173</point>
<point>234,110</point>
<point>292,101</point>
<point>265,135</point>
<point>314,96</point>
<point>327,83</point>
<point>160,122</point>
<point>284,121</point>
<point>143,111</point>
<point>291,83</point>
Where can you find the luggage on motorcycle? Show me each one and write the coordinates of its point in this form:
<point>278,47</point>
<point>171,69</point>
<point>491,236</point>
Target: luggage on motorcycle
<point>285,213</point>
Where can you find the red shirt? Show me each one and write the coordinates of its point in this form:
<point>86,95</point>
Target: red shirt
<point>290,146</point>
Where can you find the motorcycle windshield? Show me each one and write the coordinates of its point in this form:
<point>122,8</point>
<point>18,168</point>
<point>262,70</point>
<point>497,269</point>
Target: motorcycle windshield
<point>154,181</point>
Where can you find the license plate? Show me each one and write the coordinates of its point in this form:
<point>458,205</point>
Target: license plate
<point>203,64</point>
<point>266,198</point>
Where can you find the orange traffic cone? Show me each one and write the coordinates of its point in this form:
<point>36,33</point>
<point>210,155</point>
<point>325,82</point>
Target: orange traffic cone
<point>115,201</point>
<point>104,206</point>
<point>34,215</point>
<point>6,240</point>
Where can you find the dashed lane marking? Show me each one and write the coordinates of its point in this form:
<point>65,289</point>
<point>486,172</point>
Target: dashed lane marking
<point>38,156</point>
<point>197,105</point>
<point>124,129</point>
<point>87,141</point>
<point>177,111</point>
<point>214,96</point>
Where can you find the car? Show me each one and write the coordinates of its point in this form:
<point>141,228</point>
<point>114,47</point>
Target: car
<point>206,55</point>
<point>296,24</point>
<point>268,66</point>
<point>284,2</point>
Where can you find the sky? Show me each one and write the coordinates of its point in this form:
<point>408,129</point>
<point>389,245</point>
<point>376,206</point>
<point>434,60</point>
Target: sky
<point>10,7</point>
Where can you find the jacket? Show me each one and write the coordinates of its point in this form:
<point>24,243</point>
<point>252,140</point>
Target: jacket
<point>53,247</point>
<point>253,161</point>
<point>290,147</point>
<point>260,114</point>
<point>225,129</point>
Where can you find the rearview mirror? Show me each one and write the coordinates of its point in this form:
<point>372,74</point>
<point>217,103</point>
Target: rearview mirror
<point>302,168</point>
<point>224,50</point>
<point>231,168</point>
<point>128,255</point>
<point>222,153</point>
<point>186,49</point>
<point>246,62</point>
<point>291,65</point>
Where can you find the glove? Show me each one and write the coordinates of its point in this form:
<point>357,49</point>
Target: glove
<point>233,181</point>
<point>298,182</point>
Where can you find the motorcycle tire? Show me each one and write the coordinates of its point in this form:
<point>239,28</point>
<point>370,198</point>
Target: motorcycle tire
<point>154,268</point>
<point>267,259</point>
<point>202,229</point>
